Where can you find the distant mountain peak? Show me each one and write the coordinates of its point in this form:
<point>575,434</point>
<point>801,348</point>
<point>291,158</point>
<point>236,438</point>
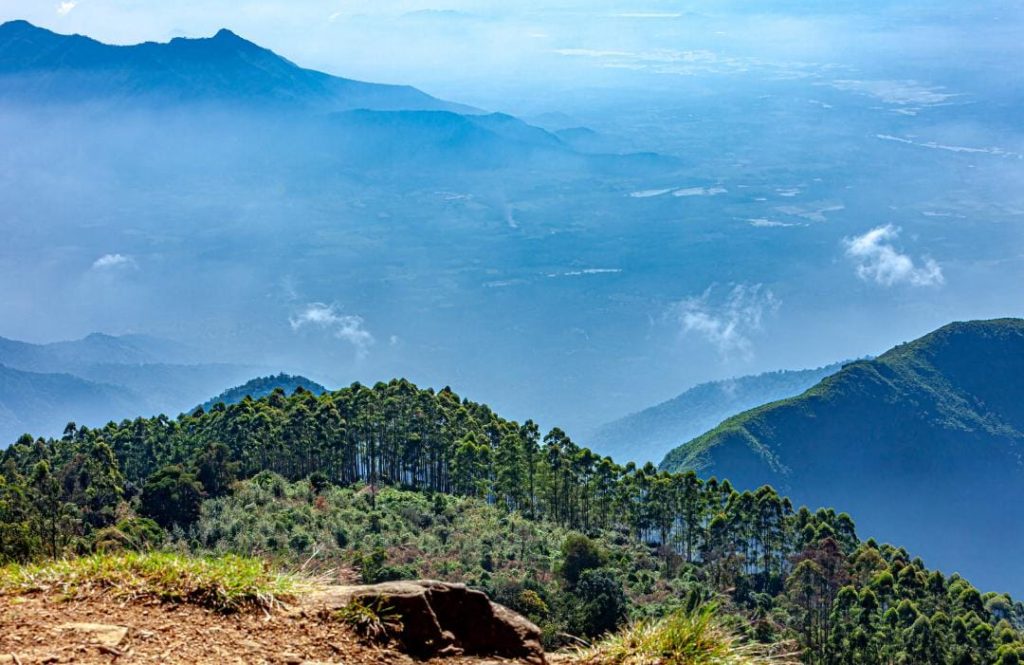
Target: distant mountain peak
<point>17,25</point>
<point>224,35</point>
<point>39,65</point>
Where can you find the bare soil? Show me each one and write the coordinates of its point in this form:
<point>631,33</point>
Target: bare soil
<point>37,628</point>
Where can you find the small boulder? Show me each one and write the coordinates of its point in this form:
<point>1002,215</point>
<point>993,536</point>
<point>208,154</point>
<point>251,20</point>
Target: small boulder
<point>441,618</point>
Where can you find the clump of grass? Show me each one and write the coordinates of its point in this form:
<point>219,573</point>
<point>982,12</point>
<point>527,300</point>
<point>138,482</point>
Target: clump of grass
<point>695,637</point>
<point>223,583</point>
<point>375,622</point>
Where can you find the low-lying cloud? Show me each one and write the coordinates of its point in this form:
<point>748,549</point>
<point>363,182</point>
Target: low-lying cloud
<point>348,327</point>
<point>728,324</point>
<point>114,262</point>
<point>879,261</point>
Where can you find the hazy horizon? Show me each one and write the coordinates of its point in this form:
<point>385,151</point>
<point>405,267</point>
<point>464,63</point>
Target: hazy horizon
<point>843,181</point>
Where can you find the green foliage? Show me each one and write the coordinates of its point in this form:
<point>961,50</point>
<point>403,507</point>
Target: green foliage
<point>137,534</point>
<point>172,496</point>
<point>263,386</point>
<point>215,469</point>
<point>401,483</point>
<point>598,604</point>
<point>579,555</point>
<point>375,622</point>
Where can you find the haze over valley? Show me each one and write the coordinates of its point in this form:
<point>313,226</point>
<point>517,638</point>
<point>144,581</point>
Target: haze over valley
<point>668,222</point>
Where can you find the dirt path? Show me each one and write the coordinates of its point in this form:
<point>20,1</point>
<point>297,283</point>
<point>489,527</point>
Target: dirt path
<point>42,629</point>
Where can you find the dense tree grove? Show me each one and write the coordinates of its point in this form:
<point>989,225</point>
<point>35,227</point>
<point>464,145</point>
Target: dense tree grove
<point>790,573</point>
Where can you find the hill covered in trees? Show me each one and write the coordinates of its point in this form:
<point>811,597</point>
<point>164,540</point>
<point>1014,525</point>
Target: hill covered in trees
<point>263,386</point>
<point>923,444</point>
<point>648,435</point>
<point>401,482</point>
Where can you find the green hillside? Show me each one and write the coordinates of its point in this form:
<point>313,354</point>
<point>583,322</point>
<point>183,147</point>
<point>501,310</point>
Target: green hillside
<point>646,436</point>
<point>397,482</point>
<point>918,442</point>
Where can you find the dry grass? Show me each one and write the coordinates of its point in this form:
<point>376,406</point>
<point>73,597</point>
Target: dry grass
<point>225,583</point>
<point>698,637</point>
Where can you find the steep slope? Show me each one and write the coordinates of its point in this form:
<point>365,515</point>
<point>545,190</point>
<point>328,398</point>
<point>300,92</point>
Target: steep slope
<point>646,436</point>
<point>39,65</point>
<point>924,444</point>
<point>263,386</point>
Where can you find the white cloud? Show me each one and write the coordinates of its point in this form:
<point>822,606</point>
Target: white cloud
<point>879,261</point>
<point>700,191</point>
<point>648,193</point>
<point>114,261</point>
<point>586,271</point>
<point>761,222</point>
<point>64,8</point>
<point>730,323</point>
<point>348,327</point>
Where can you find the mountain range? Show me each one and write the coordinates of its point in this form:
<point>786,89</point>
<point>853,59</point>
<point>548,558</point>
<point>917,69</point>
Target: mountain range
<point>925,444</point>
<point>100,378</point>
<point>648,435</point>
<point>40,65</point>
<point>261,111</point>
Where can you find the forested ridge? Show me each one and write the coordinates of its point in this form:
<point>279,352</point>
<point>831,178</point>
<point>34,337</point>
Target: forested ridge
<point>391,478</point>
<point>934,426</point>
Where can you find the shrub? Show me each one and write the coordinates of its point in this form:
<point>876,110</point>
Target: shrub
<point>579,554</point>
<point>697,637</point>
<point>598,605</point>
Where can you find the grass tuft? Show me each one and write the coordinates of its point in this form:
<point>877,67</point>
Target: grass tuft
<point>698,637</point>
<point>223,583</point>
<point>375,622</point>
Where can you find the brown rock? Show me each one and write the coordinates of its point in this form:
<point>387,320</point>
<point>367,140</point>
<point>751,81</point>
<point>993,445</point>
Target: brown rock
<point>98,633</point>
<point>440,618</point>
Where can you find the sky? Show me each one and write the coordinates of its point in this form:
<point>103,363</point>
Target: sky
<point>501,53</point>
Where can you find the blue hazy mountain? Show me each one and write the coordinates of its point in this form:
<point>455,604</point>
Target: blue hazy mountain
<point>40,65</point>
<point>42,404</point>
<point>263,386</point>
<point>93,349</point>
<point>648,435</point>
<point>924,444</point>
<point>100,378</point>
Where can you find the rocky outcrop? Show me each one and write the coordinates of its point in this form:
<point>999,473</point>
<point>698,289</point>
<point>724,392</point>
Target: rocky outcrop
<point>439,618</point>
